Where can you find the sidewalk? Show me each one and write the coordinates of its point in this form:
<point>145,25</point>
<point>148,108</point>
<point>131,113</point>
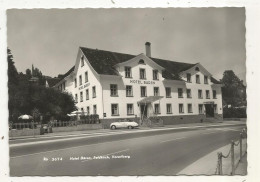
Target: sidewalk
<point>207,165</point>
<point>242,166</point>
<point>179,126</point>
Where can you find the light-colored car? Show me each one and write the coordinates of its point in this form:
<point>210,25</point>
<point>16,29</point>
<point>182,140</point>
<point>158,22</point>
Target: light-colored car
<point>124,123</point>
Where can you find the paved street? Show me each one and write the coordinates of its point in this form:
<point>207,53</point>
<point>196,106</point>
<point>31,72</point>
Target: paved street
<point>120,152</point>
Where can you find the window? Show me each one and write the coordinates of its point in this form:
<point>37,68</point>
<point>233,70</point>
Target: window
<point>87,94</point>
<point>114,109</point>
<point>189,77</point>
<point>88,111</point>
<point>189,108</point>
<point>141,61</point>
<point>215,108</point>
<point>156,91</point>
<point>169,108</point>
<point>168,92</point>
<point>64,84</point>
<point>94,109</point>
<point>181,109</point>
<point>81,96</point>
<point>180,93</point>
<point>197,78</point>
<point>86,76</point>
<point>207,94</point>
<point>129,91</point>
<point>113,90</point>
<point>82,61</point>
<point>82,110</point>
<point>94,92</point>
<point>206,80</point>
<point>200,108</point>
<point>130,109</point>
<point>156,108</point>
<point>143,91</point>
<point>197,69</point>
<point>214,94</point>
<point>188,93</point>
<point>128,73</point>
<point>200,94</point>
<point>80,80</point>
<point>75,82</point>
<point>76,98</point>
<point>155,75</point>
<point>142,73</point>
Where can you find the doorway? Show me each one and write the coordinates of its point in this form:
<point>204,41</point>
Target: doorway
<point>209,110</point>
<point>143,110</point>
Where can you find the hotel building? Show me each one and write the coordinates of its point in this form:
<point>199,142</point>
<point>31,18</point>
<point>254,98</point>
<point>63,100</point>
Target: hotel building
<point>115,85</point>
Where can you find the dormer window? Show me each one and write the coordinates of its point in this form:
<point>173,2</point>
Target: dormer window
<point>155,75</point>
<point>141,61</point>
<point>189,77</point>
<point>82,61</point>
<point>142,73</point>
<point>198,79</point>
<point>197,69</point>
<point>128,73</point>
<point>206,80</point>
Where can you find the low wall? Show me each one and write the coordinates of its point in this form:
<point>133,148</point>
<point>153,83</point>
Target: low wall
<point>167,120</point>
<point>77,128</point>
<point>24,132</point>
<point>183,119</point>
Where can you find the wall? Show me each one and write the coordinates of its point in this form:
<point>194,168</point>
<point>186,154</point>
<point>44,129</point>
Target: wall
<point>77,128</point>
<point>174,100</point>
<point>24,132</point>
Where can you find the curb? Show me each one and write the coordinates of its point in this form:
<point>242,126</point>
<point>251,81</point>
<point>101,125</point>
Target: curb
<point>137,131</point>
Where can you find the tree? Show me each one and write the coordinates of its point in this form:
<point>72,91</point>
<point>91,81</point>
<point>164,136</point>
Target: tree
<point>28,98</point>
<point>233,91</point>
<point>28,73</point>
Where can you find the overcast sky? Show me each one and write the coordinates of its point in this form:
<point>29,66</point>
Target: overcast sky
<point>50,39</point>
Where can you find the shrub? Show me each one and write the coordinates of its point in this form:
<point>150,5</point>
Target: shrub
<point>234,112</point>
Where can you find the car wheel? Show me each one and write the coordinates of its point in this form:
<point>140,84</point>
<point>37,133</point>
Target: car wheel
<point>113,127</point>
<point>130,127</point>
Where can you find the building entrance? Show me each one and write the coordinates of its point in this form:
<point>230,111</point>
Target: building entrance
<point>144,110</point>
<point>209,110</point>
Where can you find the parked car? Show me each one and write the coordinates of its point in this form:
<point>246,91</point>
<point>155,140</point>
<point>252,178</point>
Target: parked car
<point>124,123</point>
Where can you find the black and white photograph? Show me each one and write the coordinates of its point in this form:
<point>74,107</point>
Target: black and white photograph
<point>129,92</point>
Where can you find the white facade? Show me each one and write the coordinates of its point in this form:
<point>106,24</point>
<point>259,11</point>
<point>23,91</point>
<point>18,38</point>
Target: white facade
<point>111,99</point>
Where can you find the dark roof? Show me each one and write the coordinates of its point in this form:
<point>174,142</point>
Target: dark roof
<point>103,62</point>
<point>52,81</point>
<point>213,80</point>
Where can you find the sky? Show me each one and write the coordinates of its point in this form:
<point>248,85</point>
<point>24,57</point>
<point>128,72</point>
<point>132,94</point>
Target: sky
<point>50,38</point>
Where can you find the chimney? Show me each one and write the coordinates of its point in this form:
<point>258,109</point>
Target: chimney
<point>148,49</point>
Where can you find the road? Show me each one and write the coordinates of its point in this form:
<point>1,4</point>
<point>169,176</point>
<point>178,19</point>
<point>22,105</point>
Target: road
<point>121,152</point>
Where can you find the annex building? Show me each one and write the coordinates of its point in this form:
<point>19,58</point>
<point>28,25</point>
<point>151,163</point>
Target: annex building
<point>115,85</point>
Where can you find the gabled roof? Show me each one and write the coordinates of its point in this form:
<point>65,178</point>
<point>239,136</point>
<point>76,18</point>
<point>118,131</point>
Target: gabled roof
<point>103,61</point>
<point>52,81</point>
<point>213,80</point>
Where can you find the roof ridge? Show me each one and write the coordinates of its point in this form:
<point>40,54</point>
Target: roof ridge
<point>106,51</point>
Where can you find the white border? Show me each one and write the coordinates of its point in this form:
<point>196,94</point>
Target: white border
<point>252,46</point>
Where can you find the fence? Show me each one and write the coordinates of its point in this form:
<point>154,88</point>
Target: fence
<point>231,152</point>
<point>25,125</point>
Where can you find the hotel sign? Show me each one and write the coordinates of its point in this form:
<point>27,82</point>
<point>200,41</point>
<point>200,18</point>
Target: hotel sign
<point>84,86</point>
<point>142,82</point>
